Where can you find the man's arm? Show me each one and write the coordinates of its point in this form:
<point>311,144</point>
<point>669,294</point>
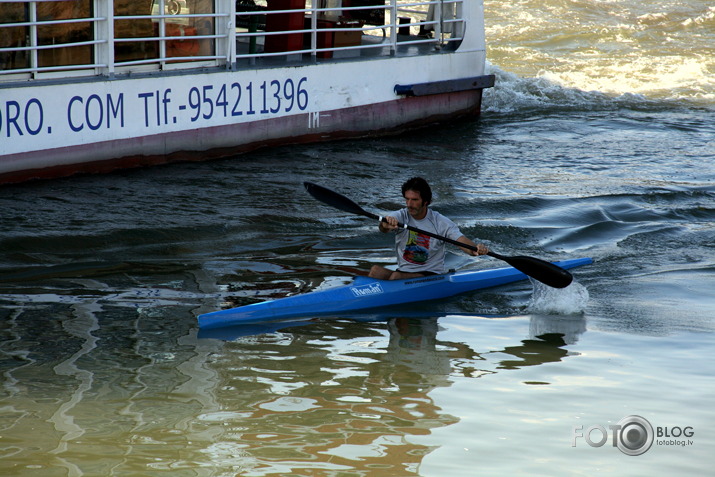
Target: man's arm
<point>482,249</point>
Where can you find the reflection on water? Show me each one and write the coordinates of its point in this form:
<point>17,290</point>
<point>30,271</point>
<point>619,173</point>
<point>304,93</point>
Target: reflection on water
<point>325,396</point>
<point>329,398</point>
<point>339,396</point>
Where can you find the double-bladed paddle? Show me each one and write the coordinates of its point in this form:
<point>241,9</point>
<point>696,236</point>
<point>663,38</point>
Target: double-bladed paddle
<point>541,270</point>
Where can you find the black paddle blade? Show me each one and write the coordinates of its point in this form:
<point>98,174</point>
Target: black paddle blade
<point>541,270</point>
<point>336,200</point>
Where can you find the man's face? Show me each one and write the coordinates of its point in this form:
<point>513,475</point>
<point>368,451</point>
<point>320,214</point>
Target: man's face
<point>415,205</point>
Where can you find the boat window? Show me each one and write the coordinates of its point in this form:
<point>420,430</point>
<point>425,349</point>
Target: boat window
<point>46,36</point>
<point>13,38</point>
<point>163,31</point>
<point>75,36</point>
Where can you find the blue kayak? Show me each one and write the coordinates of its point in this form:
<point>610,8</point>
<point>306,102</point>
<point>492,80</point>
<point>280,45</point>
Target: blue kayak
<point>367,293</point>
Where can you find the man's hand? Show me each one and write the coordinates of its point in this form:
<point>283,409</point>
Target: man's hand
<point>481,249</point>
<point>388,224</point>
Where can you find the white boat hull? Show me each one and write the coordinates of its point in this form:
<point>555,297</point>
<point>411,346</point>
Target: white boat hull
<point>98,124</point>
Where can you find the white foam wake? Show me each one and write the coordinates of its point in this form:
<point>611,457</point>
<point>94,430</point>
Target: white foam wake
<point>571,300</point>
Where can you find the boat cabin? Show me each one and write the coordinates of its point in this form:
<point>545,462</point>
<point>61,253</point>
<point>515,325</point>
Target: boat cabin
<point>48,39</point>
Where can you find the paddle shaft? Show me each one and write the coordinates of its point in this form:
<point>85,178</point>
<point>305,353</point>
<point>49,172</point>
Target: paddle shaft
<point>536,268</point>
<point>453,242</point>
<point>431,234</point>
<point>541,270</point>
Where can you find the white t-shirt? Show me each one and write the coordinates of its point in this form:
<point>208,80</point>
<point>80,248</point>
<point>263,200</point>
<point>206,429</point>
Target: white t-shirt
<point>422,253</point>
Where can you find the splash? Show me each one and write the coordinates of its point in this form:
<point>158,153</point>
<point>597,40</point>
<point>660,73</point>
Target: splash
<point>571,300</point>
<point>514,93</point>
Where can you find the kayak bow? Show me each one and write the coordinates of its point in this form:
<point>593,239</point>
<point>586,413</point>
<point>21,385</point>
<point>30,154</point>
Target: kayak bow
<point>366,293</point>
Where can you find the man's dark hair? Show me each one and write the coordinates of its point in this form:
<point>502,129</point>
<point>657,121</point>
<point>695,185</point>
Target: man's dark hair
<point>420,185</point>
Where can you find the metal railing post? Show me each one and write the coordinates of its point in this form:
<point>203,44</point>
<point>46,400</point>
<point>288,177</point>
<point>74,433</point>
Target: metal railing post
<point>393,27</point>
<point>313,31</point>
<point>34,64</point>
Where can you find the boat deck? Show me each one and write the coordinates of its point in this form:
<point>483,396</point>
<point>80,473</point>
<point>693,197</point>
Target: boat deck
<point>370,47</point>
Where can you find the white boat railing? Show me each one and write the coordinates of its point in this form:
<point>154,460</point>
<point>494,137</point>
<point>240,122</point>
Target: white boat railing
<point>56,39</point>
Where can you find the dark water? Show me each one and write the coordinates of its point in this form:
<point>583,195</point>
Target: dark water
<point>102,277</point>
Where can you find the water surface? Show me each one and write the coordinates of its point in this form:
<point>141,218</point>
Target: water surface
<point>597,141</point>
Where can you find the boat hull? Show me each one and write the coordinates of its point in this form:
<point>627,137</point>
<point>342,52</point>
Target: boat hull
<point>390,117</point>
<point>95,126</point>
<point>366,293</point>
<point>238,92</point>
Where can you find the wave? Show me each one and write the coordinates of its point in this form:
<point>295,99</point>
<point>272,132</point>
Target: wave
<point>512,93</point>
<point>629,51</point>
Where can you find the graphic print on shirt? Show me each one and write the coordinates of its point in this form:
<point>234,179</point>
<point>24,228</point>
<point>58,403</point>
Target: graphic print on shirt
<point>417,248</point>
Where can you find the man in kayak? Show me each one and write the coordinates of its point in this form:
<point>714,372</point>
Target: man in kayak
<point>419,255</point>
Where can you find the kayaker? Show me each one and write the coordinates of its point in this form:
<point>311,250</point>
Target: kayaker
<point>420,255</point>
